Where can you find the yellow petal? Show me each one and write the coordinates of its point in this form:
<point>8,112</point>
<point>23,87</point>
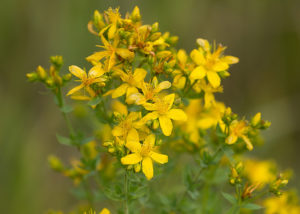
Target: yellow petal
<point>230,59</point>
<point>121,90</point>
<point>150,140</point>
<point>138,98</point>
<point>125,53</point>
<point>80,97</point>
<point>131,90</point>
<point>181,56</point>
<point>206,122</point>
<point>78,72</point>
<point>96,71</point>
<point>112,61</point>
<point>139,74</point>
<point>209,99</point>
<point>231,139</point>
<point>96,57</point>
<point>133,141</point>
<point>73,90</point>
<point>90,91</point>
<point>133,116</point>
<point>203,43</point>
<point>104,211</point>
<point>163,85</point>
<point>150,116</point>
<point>131,159</point>
<point>213,79</point>
<point>179,81</point>
<point>197,57</point>
<point>169,99</point>
<point>248,143</point>
<point>150,106</point>
<point>111,32</point>
<point>166,125</point>
<point>159,158</point>
<point>177,114</point>
<point>117,131</point>
<point>120,107</point>
<point>147,167</point>
<point>220,66</point>
<point>198,73</point>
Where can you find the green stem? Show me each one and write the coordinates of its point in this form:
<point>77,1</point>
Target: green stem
<point>61,104</point>
<point>126,210</point>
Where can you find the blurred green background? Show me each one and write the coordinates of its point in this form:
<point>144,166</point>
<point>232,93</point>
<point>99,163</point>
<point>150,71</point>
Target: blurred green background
<point>265,35</point>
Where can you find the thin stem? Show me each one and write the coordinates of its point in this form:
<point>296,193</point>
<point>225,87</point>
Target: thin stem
<point>126,210</point>
<point>61,104</point>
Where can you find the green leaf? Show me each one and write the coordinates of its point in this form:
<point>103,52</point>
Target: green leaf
<point>64,140</point>
<point>229,198</point>
<point>251,206</point>
<point>95,101</point>
<point>66,109</point>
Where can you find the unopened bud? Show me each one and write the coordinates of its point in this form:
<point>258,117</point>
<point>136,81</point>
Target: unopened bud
<point>55,163</point>
<point>42,74</point>
<point>135,15</point>
<point>137,167</point>
<point>67,77</point>
<point>155,27</point>
<point>57,61</point>
<point>32,76</point>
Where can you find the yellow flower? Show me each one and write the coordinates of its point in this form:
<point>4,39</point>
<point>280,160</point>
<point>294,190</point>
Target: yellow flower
<point>127,121</point>
<point>150,91</point>
<point>184,69</point>
<point>210,63</point>
<point>193,111</point>
<point>93,76</point>
<point>209,98</point>
<point>161,109</point>
<point>132,81</point>
<point>261,172</point>
<point>212,116</point>
<point>110,53</point>
<point>239,129</point>
<point>104,211</point>
<point>143,153</point>
<point>287,203</point>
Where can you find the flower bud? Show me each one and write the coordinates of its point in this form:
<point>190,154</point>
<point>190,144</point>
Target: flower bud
<point>55,163</point>
<point>135,15</point>
<point>67,77</point>
<point>155,36</point>
<point>137,167</point>
<point>57,61</point>
<point>155,27</point>
<point>32,76</point>
<point>256,119</point>
<point>42,74</point>
<point>50,82</point>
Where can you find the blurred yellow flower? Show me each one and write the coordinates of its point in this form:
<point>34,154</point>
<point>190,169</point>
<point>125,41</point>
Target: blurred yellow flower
<point>262,172</point>
<point>285,204</point>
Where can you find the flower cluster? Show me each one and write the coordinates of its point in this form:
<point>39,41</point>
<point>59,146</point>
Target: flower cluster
<point>146,96</point>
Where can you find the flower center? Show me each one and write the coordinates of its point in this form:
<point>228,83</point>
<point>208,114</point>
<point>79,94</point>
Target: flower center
<point>146,149</point>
